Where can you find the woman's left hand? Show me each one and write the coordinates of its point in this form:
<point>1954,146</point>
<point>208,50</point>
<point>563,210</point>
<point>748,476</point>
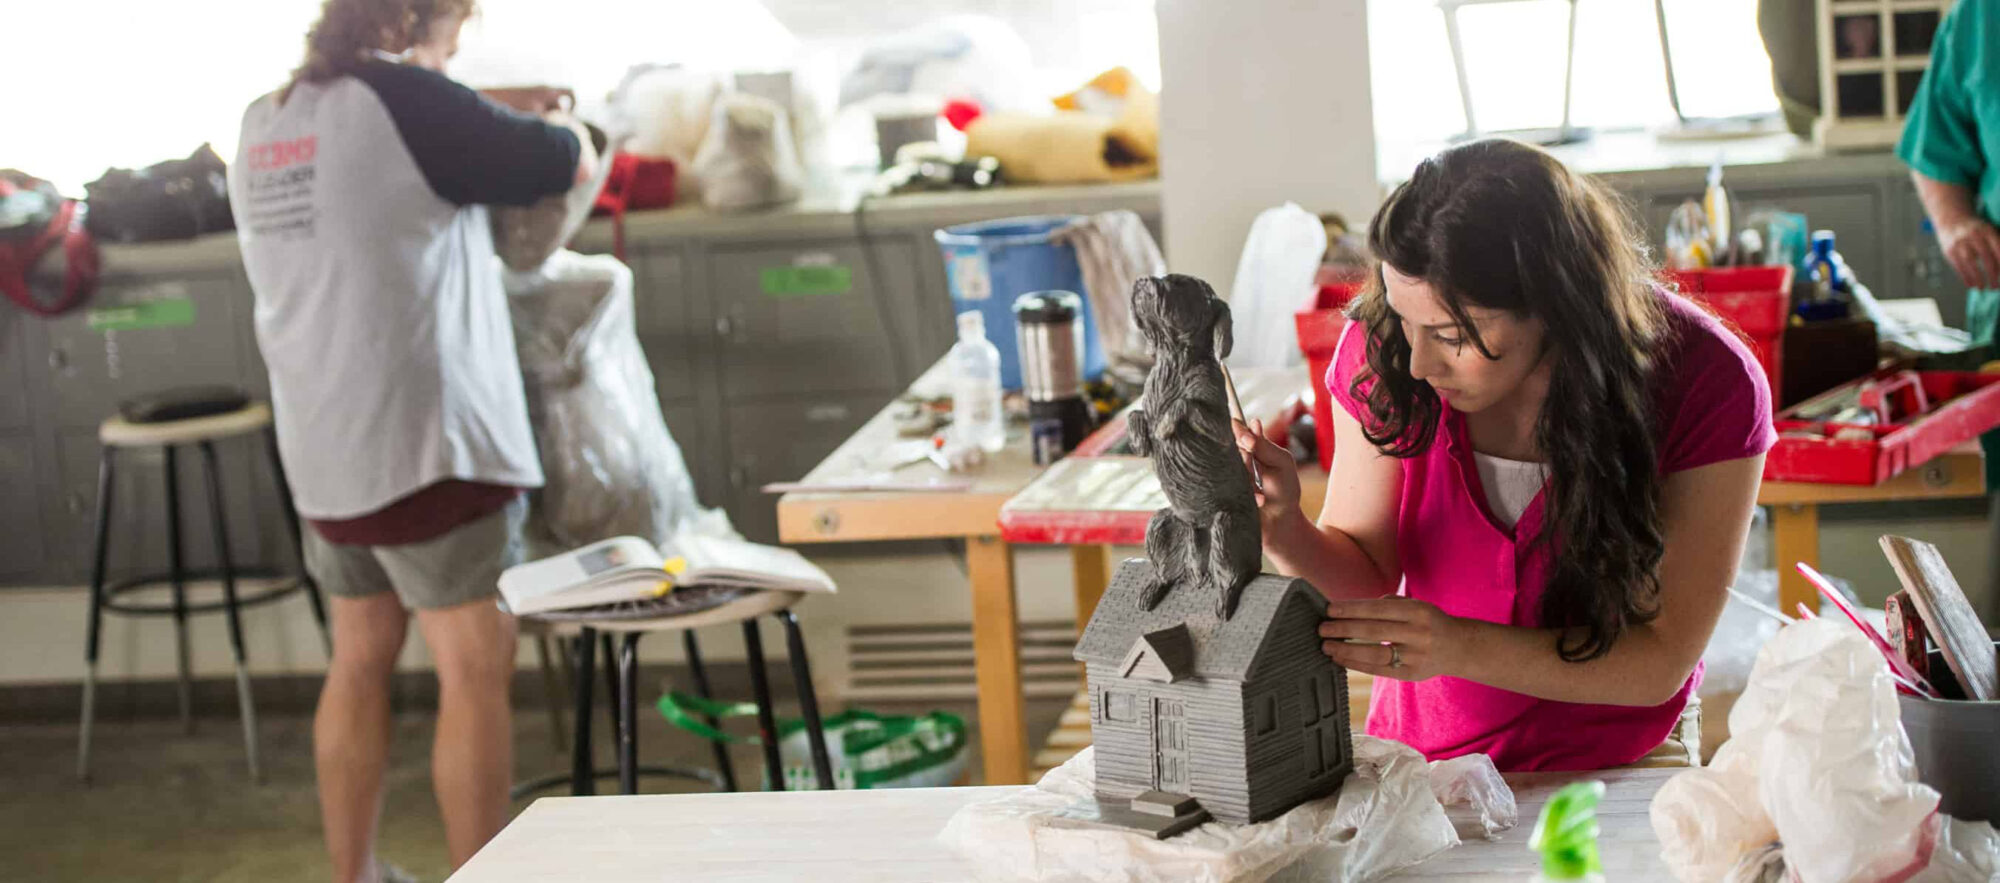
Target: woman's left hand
<point>1416,636</point>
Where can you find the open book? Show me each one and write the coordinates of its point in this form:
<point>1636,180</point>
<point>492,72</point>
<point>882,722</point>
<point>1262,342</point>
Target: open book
<point>630,568</point>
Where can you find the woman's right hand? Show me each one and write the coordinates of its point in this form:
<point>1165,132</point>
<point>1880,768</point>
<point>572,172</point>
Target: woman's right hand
<point>1279,496</point>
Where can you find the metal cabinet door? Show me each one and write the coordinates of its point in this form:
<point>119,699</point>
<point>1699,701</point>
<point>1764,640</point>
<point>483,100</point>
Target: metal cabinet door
<point>20,516</point>
<point>782,441</point>
<point>812,318</point>
<point>93,369</point>
<point>14,369</point>
<point>697,447</point>
<point>1920,263</point>
<point>665,318</point>
<point>1855,212</point>
<point>139,527</point>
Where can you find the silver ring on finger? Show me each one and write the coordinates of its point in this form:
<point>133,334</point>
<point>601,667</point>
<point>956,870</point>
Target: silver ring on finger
<point>1395,655</point>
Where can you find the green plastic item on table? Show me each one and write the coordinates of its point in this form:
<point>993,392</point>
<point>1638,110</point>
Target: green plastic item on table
<point>1566,834</point>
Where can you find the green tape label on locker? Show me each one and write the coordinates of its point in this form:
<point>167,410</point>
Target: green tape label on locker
<point>166,312</point>
<point>807,281</point>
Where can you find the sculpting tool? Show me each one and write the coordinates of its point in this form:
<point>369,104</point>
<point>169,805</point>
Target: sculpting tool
<point>1236,405</point>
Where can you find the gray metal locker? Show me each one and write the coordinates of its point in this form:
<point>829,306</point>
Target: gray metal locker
<point>20,518</point>
<point>782,441</point>
<point>1920,267</point>
<point>14,373</point>
<point>138,526</point>
<point>813,318</point>
<point>93,370</point>
<point>664,312</point>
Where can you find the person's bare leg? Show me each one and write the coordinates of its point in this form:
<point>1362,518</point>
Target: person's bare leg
<point>472,761</point>
<point>351,728</point>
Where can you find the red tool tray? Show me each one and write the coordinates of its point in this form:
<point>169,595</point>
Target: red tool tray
<point>1967,404</point>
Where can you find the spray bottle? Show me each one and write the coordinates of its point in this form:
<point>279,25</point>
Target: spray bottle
<point>1566,835</point>
<point>1715,209</point>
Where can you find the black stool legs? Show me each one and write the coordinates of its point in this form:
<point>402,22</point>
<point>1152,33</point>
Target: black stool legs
<point>178,574</point>
<point>246,706</point>
<point>760,687</point>
<point>621,661</point>
<point>583,773</point>
<point>802,683</point>
<point>700,672</point>
<point>104,476</point>
<point>297,539</point>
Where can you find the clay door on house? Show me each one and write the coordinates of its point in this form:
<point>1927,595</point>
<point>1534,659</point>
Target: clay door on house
<point>1170,746</point>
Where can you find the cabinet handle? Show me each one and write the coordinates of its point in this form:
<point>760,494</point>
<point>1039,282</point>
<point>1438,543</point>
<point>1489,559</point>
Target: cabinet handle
<point>58,360</point>
<point>738,476</point>
<point>725,327</point>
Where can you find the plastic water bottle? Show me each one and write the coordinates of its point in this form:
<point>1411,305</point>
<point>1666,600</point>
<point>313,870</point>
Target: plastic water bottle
<point>977,419</point>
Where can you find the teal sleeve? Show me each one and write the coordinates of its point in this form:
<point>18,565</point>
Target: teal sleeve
<point>1940,133</point>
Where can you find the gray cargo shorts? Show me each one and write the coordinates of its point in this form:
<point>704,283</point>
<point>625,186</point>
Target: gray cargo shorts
<point>459,567</point>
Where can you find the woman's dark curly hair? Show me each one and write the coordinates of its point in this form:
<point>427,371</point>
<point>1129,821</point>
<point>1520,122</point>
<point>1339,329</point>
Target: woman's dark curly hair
<point>1504,226</point>
<point>349,28</point>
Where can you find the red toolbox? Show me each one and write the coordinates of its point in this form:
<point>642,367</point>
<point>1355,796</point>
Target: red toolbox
<point>1757,300</point>
<point>1319,335</point>
<point>1944,409</point>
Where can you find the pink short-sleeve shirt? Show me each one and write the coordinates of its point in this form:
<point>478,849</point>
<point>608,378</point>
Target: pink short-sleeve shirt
<point>1714,405</point>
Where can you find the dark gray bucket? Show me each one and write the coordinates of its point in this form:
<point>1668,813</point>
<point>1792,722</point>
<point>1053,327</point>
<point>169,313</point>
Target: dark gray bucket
<point>1954,741</point>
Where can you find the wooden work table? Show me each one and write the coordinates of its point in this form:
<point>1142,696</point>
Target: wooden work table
<point>972,514</point>
<point>887,836</point>
<point>1099,498</point>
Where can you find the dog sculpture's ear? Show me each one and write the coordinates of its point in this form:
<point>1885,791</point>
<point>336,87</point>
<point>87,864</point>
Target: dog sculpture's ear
<point>1145,302</point>
<point>1224,338</point>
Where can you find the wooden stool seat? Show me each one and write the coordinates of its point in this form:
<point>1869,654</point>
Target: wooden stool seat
<point>118,432</point>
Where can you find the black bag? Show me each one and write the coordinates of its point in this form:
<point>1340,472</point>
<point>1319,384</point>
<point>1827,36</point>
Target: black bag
<point>176,199</point>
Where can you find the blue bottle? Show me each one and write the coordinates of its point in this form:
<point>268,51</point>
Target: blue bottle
<point>1829,282</point>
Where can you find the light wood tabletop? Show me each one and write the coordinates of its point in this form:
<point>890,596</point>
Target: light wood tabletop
<point>885,836</point>
<point>973,515</point>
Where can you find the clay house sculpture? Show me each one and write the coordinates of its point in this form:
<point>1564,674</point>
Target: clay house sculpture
<point>1194,716</point>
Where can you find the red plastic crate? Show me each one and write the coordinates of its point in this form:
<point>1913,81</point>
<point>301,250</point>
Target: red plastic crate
<point>1757,300</point>
<point>1965,405</point>
<point>1319,335</point>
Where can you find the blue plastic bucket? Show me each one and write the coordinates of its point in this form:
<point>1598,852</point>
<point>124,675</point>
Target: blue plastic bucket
<point>991,263</point>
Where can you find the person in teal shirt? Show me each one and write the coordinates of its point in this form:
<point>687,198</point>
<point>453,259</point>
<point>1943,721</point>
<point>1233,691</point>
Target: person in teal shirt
<point>1951,141</point>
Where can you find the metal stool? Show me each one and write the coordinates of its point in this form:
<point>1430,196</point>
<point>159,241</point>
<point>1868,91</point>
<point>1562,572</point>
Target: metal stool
<point>621,676</point>
<point>202,432</point>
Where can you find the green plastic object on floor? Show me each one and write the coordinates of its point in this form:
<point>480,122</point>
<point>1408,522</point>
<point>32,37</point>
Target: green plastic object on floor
<point>1566,834</point>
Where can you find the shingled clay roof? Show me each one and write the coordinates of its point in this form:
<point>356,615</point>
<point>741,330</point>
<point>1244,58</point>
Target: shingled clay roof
<point>1221,649</point>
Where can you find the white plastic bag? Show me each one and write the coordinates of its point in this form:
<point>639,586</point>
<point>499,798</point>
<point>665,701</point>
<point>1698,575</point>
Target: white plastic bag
<point>611,466</point>
<point>1274,280</point>
<point>747,161</point>
<point>1816,760</point>
<point>1385,818</point>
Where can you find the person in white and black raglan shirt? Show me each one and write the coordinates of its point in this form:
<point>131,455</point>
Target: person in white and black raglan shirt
<point>360,192</point>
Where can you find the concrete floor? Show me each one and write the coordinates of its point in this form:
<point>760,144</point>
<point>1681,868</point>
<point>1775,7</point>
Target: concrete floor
<point>168,806</point>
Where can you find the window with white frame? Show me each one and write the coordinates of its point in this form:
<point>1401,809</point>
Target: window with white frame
<point>1514,57</point>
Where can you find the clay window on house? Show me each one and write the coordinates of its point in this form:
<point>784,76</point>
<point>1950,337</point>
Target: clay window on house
<point>1119,707</point>
<point>1264,717</point>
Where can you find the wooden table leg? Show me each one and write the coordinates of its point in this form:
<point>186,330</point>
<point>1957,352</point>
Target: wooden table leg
<point>996,649</point>
<point>1795,529</point>
<point>1090,570</point>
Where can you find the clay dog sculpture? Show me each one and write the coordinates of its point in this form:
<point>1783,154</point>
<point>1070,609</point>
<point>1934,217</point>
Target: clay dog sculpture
<point>1209,531</point>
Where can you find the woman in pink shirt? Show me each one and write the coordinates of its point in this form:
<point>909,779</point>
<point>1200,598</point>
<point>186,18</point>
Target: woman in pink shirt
<point>1543,474</point>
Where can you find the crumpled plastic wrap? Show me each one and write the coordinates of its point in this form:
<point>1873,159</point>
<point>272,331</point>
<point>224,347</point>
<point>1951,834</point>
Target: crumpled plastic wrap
<point>611,466</point>
<point>747,161</point>
<point>1385,818</point>
<point>1817,761</point>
